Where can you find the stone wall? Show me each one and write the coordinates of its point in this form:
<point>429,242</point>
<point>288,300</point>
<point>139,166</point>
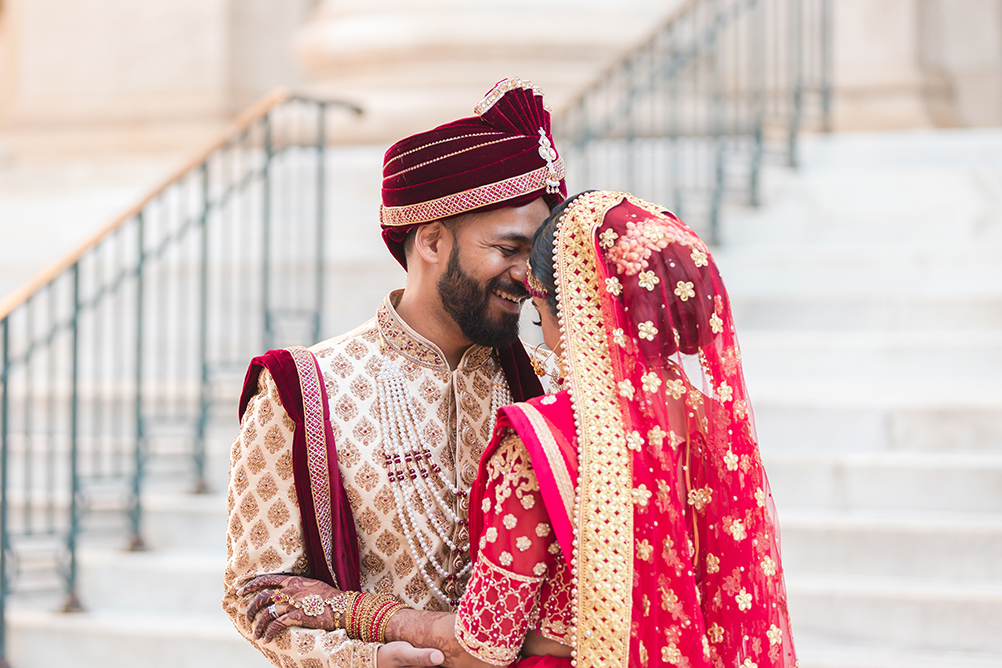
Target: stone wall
<point>113,75</point>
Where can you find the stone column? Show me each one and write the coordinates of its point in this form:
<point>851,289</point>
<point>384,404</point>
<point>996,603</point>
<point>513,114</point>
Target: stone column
<point>414,65</point>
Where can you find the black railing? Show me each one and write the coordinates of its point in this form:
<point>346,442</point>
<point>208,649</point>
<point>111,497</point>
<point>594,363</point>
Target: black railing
<point>112,361</point>
<point>688,117</point>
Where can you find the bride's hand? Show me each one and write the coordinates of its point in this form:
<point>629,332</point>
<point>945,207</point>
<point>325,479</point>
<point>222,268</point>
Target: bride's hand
<point>268,617</point>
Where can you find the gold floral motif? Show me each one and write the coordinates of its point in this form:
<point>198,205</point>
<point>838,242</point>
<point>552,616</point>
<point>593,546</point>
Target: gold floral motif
<point>671,654</point>
<point>613,286</point>
<point>760,497</point>
<point>716,324</point>
<point>700,498</point>
<point>619,337</point>
<point>715,634</point>
<point>647,330</point>
<point>698,257</point>
<point>684,291</point>
<point>607,238</point>
<point>644,550</point>
<point>731,460</point>
<point>725,392</point>
<point>737,530</point>
<point>656,436</point>
<point>626,388</point>
<point>641,495</point>
<point>768,566</point>
<point>634,441</point>
<point>676,387</point>
<point>744,600</point>
<point>712,564</point>
<point>648,280</point>
<point>775,635</point>
<point>651,382</point>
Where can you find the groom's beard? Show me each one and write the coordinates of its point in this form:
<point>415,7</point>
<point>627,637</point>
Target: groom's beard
<point>469,305</point>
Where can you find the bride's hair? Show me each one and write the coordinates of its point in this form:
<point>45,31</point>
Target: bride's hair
<point>541,255</point>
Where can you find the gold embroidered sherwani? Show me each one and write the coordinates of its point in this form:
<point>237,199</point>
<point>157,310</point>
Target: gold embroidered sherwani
<point>453,414</point>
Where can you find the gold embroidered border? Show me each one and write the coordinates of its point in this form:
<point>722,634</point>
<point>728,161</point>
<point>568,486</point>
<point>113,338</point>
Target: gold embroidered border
<point>316,446</point>
<point>468,200</point>
<point>561,475</point>
<point>604,526</point>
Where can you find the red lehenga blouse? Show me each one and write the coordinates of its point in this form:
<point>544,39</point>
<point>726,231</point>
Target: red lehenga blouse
<point>629,516</point>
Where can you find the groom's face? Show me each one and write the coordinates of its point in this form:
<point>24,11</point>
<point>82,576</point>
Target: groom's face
<point>482,285</point>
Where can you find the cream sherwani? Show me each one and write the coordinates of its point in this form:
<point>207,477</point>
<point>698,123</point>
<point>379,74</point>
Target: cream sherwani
<point>453,414</point>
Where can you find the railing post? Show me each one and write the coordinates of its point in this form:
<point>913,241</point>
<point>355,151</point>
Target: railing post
<point>136,542</point>
<point>72,603</point>
<point>321,178</point>
<point>796,37</point>
<point>201,486</point>
<point>826,64</point>
<point>4,529</point>
<point>266,232</point>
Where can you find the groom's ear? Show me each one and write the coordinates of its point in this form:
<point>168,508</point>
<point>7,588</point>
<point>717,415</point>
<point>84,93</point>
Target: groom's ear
<point>432,242</point>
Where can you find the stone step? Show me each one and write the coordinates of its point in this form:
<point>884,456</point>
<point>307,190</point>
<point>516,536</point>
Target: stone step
<point>153,640</point>
<point>866,189</point>
<point>942,546</point>
<point>842,310</point>
<point>116,582</point>
<point>922,615</point>
<point>873,355</point>
<point>908,267</point>
<point>900,481</point>
<point>815,651</point>
<point>856,416</point>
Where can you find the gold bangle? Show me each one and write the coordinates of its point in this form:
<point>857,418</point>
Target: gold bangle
<point>391,610</point>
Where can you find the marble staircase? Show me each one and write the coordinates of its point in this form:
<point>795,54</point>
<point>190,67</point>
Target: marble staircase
<point>868,295</point>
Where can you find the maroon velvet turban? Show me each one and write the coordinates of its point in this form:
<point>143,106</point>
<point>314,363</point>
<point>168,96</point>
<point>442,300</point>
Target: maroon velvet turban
<point>503,156</point>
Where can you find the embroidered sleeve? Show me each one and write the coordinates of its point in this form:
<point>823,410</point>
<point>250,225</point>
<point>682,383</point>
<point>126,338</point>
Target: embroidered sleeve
<point>264,534</point>
<point>502,599</point>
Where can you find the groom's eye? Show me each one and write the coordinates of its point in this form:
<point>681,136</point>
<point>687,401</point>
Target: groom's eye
<point>507,251</point>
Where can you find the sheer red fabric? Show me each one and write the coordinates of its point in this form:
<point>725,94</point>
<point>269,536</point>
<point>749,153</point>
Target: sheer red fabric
<point>706,580</point>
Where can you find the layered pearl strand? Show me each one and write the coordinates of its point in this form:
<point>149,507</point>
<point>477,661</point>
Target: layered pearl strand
<point>410,466</point>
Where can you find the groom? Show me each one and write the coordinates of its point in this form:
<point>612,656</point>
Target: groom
<point>354,457</point>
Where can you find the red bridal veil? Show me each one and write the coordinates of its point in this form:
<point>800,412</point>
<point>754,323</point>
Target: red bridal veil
<point>675,529</point>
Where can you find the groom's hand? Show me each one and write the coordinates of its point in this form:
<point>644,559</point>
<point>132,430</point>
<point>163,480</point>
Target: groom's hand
<point>402,654</point>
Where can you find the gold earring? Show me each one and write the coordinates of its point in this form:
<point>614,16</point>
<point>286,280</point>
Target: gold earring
<point>537,367</point>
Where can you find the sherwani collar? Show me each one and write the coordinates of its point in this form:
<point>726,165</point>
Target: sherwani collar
<point>416,348</point>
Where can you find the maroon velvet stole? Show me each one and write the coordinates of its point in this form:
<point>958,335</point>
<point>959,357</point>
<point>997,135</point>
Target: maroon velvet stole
<point>518,372</point>
<point>329,536</point>
<point>546,427</point>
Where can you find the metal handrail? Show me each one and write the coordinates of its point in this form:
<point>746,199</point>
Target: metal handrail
<point>112,358</point>
<point>688,116</point>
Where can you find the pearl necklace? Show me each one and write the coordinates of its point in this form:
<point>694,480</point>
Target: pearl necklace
<point>409,466</point>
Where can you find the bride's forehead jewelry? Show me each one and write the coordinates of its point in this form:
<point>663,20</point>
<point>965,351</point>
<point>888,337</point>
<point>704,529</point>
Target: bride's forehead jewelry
<point>533,285</point>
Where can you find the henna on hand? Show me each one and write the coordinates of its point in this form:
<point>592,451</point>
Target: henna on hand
<point>270,611</point>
